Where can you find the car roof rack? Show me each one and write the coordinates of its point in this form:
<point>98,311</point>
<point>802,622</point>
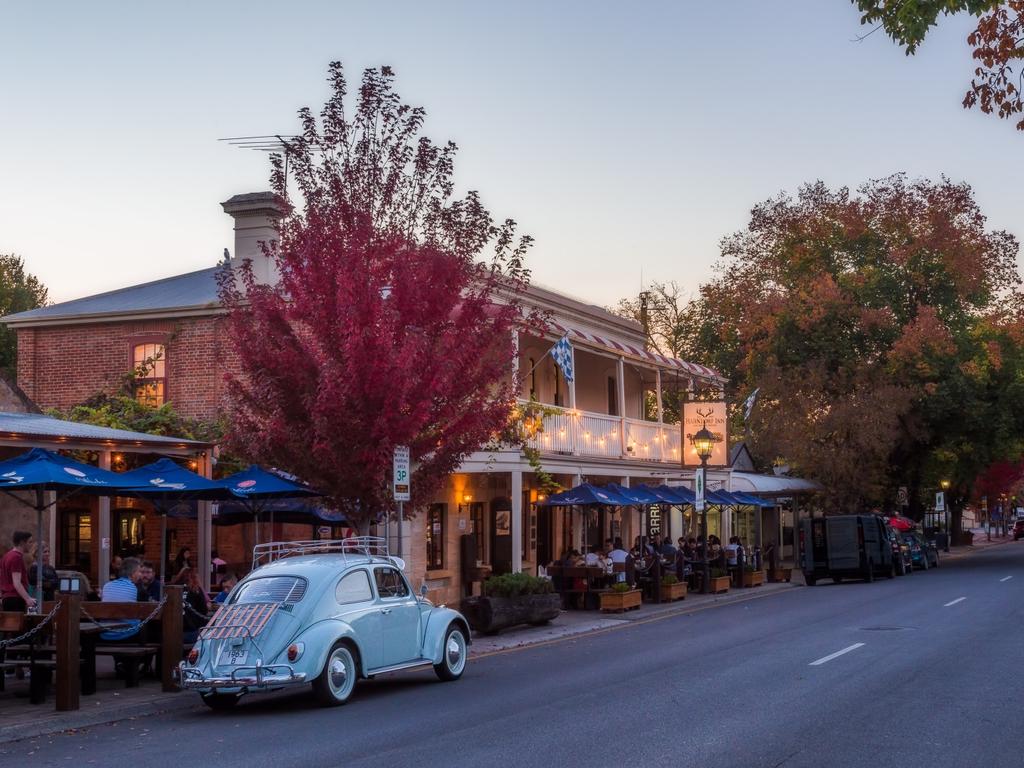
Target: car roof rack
<point>363,546</point>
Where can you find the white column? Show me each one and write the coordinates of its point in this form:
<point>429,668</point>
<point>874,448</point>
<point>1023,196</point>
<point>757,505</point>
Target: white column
<point>517,521</point>
<point>620,371</point>
<point>657,389</point>
<point>662,443</point>
<point>204,525</point>
<point>103,564</point>
<point>572,384</point>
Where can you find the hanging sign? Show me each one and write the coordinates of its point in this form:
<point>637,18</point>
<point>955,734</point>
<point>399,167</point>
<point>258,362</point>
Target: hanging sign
<point>715,418</point>
<point>401,467</point>
<point>698,489</point>
<point>940,501</point>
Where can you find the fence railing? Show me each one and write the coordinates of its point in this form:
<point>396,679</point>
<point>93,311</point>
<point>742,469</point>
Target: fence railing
<point>582,433</point>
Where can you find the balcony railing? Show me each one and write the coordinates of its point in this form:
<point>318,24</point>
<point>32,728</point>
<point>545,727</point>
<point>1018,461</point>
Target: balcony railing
<point>581,433</point>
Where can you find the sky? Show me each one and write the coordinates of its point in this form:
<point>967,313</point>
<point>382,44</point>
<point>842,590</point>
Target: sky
<point>627,138</point>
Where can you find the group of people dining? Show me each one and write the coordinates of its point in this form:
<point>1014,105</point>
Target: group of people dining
<point>681,558</point>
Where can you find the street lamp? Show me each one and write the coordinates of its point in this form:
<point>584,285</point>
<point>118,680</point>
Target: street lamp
<point>703,442</point>
<point>945,508</point>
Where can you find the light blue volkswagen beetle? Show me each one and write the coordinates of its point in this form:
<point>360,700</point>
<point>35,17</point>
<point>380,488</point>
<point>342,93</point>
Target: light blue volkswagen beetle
<point>325,613</point>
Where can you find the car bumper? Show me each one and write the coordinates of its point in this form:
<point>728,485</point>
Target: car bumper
<point>248,678</point>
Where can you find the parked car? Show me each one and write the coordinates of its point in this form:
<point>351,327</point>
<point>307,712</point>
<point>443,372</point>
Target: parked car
<point>846,547</point>
<point>923,552</point>
<point>900,551</point>
<point>1018,529</point>
<point>325,614</point>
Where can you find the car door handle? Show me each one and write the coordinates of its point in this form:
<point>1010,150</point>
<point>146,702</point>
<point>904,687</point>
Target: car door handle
<point>385,610</point>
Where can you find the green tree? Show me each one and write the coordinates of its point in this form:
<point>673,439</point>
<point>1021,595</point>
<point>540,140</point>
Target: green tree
<point>997,43</point>
<point>883,328</point>
<point>19,292</point>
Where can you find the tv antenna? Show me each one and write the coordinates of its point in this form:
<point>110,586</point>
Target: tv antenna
<point>273,143</point>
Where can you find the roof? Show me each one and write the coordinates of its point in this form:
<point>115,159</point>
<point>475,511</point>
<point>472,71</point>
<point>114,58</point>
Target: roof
<point>46,428</point>
<point>693,369</point>
<point>191,290</point>
<point>771,485</point>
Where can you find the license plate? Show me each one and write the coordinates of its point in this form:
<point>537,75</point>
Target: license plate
<point>233,656</point>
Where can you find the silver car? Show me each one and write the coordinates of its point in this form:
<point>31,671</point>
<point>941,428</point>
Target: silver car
<point>321,613</point>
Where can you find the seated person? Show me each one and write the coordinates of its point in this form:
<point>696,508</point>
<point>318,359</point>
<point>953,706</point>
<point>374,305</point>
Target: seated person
<point>594,556</point>
<point>227,583</point>
<point>149,584</point>
<point>123,589</point>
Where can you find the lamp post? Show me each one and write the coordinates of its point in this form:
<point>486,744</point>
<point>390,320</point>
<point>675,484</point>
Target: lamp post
<point>704,443</point>
<point>946,511</point>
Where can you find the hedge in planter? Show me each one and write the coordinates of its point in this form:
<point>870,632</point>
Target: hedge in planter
<point>621,597</point>
<point>672,588</point>
<point>509,599</point>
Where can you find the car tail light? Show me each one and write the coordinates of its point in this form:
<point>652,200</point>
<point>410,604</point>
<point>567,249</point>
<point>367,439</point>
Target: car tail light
<point>295,651</point>
<point>193,656</point>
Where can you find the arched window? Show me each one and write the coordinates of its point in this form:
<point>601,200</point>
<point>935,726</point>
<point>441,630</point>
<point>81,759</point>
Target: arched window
<point>149,365</point>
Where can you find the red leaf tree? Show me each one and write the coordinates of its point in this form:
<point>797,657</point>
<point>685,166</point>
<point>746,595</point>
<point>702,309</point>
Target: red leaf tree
<point>393,319</point>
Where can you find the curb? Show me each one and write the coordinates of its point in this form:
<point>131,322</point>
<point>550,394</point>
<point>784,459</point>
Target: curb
<point>103,715</point>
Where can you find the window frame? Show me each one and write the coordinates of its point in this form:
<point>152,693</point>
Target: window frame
<point>158,340</point>
<point>435,550</point>
<point>376,583</point>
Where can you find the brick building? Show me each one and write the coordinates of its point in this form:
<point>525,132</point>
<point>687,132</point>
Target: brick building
<point>608,424</point>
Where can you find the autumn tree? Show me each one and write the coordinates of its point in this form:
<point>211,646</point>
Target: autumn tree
<point>19,292</point>
<point>881,328</point>
<point>393,320</point>
<point>997,43</point>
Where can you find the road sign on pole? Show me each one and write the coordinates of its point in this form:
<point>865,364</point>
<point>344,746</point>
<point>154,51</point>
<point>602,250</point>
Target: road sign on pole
<point>940,501</point>
<point>698,488</point>
<point>401,466</point>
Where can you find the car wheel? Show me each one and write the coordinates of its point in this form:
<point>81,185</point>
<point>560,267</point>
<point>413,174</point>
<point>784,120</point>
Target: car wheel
<point>220,701</point>
<point>334,684</point>
<point>892,570</point>
<point>869,576</point>
<point>811,581</point>
<point>453,655</point>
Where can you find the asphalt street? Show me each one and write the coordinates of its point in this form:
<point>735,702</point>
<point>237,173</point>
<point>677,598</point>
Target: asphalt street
<point>923,670</point>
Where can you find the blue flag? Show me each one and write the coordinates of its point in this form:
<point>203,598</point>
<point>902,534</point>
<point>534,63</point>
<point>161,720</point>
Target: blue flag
<point>561,353</point>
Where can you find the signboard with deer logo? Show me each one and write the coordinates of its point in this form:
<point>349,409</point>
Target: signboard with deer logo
<point>715,418</point>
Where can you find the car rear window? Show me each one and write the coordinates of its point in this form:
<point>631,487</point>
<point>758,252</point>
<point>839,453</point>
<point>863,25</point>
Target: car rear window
<point>271,589</point>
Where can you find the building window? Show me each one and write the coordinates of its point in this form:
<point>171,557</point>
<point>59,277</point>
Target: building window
<point>129,532</point>
<point>476,521</point>
<point>75,545</point>
<point>533,379</point>
<point>613,397</point>
<point>149,365</point>
<point>558,385</point>
<point>435,536</point>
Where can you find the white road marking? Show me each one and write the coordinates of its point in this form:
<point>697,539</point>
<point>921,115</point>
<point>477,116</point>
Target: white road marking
<point>836,655</point>
<point>1007,578</point>
<point>954,602</point>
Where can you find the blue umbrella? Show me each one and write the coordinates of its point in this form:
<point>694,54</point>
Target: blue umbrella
<point>587,495</point>
<point>167,484</point>
<point>676,495</point>
<point>41,470</point>
<point>256,487</point>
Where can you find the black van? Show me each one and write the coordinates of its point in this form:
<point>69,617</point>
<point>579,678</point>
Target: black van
<point>845,547</point>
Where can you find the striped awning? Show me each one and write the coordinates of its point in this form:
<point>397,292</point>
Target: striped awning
<point>673,363</point>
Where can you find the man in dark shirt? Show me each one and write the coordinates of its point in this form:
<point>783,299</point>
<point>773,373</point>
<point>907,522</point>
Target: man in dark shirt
<point>149,584</point>
<point>13,581</point>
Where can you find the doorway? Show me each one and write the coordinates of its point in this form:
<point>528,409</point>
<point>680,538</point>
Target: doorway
<point>501,535</point>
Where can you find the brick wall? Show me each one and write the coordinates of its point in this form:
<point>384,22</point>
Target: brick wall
<point>61,366</point>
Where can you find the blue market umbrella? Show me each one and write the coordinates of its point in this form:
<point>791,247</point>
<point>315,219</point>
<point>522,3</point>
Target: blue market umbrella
<point>256,488</point>
<point>587,495</point>
<point>287,510</point>
<point>41,470</point>
<point>166,484</point>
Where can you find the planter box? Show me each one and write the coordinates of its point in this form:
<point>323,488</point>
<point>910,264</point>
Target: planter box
<point>493,614</point>
<point>752,578</point>
<point>780,574</point>
<point>718,584</point>
<point>620,601</point>
<point>672,592</point>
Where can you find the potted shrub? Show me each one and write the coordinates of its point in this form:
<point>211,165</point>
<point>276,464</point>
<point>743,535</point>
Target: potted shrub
<point>719,581</point>
<point>509,599</point>
<point>672,588</point>
<point>780,574</point>
<point>751,577</point>
<point>621,597</point>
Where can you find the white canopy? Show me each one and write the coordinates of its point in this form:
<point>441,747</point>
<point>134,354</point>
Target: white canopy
<point>770,485</point>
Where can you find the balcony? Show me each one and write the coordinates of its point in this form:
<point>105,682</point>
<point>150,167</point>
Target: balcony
<point>598,435</point>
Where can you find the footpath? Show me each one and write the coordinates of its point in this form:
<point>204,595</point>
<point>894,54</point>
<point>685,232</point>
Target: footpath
<point>112,703</point>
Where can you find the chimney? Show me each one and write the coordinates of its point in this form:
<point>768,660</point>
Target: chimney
<point>256,215</point>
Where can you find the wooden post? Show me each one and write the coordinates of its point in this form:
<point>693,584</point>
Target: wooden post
<point>170,643</point>
<point>68,651</point>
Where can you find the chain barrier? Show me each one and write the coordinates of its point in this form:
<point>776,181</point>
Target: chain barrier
<point>32,632</point>
<point>188,607</point>
<point>134,630</point>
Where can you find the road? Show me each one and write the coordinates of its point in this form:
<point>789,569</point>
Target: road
<point>922,670</point>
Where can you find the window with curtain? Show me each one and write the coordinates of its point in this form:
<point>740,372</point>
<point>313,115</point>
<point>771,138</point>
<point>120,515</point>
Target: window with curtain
<point>149,364</point>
